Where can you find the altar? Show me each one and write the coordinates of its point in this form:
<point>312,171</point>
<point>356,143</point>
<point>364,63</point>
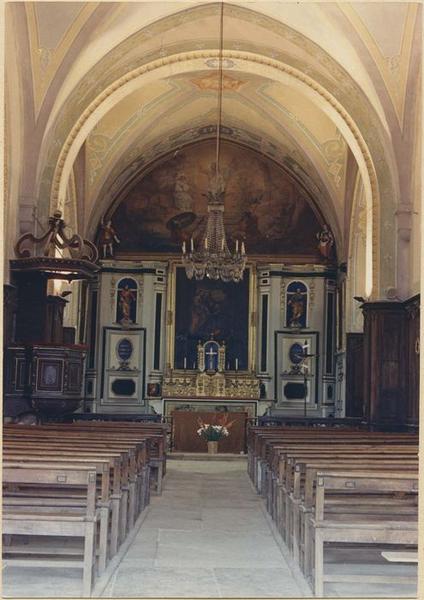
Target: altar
<point>209,377</point>
<point>186,423</point>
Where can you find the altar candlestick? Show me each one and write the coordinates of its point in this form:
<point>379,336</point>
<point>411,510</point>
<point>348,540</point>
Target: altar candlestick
<point>192,245</point>
<point>206,243</point>
<point>194,365</point>
<point>236,364</point>
<point>243,250</point>
<point>184,247</point>
<point>185,362</point>
<point>236,246</point>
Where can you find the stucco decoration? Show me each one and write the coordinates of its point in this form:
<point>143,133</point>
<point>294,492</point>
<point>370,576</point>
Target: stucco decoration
<point>52,28</point>
<point>211,82</point>
<point>337,83</point>
<point>334,151</point>
<point>391,52</point>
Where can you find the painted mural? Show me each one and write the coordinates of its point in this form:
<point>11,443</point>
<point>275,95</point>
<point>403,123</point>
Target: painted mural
<point>206,309</point>
<point>264,206</point>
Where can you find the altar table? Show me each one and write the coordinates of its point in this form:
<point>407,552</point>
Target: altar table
<point>186,439</point>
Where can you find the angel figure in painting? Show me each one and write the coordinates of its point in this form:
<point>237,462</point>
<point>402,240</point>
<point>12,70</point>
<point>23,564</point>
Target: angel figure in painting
<point>182,197</point>
<point>107,238</point>
<point>325,242</point>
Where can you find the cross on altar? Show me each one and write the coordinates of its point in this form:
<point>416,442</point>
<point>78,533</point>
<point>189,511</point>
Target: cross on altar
<point>211,354</point>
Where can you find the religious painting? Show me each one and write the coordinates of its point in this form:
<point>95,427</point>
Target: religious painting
<point>207,310</point>
<point>264,206</point>
<point>126,305</point>
<point>153,390</point>
<point>296,305</point>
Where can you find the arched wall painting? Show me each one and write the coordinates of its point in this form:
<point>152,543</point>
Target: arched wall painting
<point>126,304</point>
<point>296,305</point>
<point>264,206</point>
<point>209,308</point>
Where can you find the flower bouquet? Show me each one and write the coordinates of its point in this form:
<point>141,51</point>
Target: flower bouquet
<point>213,432</point>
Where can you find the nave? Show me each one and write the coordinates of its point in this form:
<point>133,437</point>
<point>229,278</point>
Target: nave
<point>208,536</point>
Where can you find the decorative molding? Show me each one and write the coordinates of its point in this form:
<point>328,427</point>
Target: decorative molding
<point>311,294</point>
<point>211,82</point>
<point>283,300</point>
<point>112,291</point>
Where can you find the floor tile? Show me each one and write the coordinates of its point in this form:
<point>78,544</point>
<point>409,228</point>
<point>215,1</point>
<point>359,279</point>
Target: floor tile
<point>165,582</point>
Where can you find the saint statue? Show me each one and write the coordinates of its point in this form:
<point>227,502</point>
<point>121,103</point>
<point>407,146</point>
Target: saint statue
<point>297,302</point>
<point>107,238</point>
<point>126,298</point>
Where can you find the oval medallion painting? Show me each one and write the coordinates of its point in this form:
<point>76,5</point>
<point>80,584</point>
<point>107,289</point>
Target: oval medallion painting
<point>124,349</point>
<point>296,353</point>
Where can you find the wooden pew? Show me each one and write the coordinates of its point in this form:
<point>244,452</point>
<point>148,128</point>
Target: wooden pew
<point>56,520</point>
<point>301,500</point>
<point>38,497</point>
<point>123,495</point>
<point>154,433</point>
<point>262,441</point>
<point>390,526</point>
<point>130,443</point>
<point>96,442</point>
<point>122,455</point>
<point>284,465</point>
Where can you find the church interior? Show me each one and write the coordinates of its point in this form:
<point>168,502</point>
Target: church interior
<point>211,327</point>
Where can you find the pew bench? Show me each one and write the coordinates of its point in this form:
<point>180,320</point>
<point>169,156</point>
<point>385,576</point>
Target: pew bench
<point>54,521</point>
<point>133,456</point>
<point>389,526</point>
<point>47,497</point>
<point>300,500</point>
<point>120,476</point>
<point>124,474</point>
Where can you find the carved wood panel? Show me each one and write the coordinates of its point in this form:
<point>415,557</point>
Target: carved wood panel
<point>354,375</point>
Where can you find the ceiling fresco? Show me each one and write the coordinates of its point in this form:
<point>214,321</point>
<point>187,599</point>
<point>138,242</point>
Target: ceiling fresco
<point>264,206</point>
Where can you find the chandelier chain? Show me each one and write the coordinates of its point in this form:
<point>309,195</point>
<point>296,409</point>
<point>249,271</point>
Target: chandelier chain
<point>212,258</point>
<point>220,86</point>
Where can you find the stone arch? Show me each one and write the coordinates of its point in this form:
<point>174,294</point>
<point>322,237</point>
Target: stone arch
<point>251,63</point>
<point>356,283</point>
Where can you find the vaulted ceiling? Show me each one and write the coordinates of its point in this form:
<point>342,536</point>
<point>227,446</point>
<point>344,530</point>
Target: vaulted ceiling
<point>327,90</point>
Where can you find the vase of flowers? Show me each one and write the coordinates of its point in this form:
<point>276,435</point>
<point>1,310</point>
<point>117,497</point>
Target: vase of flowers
<point>213,432</point>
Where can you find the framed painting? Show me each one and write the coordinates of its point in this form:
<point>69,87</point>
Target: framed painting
<point>207,310</point>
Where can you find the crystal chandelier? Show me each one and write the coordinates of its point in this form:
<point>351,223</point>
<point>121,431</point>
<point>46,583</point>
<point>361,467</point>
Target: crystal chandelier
<point>212,258</point>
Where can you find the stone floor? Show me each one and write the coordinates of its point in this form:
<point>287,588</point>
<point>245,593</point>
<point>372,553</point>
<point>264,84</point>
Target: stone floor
<point>207,536</point>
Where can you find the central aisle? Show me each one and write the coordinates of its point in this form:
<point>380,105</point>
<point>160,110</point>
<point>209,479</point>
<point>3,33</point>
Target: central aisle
<point>206,536</point>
